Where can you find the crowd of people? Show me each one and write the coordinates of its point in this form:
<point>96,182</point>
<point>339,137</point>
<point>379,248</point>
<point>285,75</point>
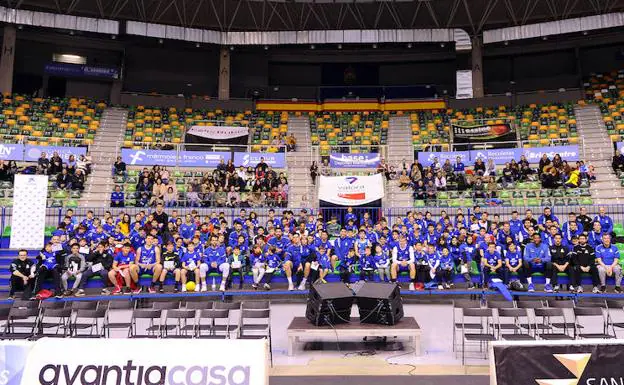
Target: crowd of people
<point>225,186</point>
<point>431,251</point>
<point>484,179</point>
<point>67,174</point>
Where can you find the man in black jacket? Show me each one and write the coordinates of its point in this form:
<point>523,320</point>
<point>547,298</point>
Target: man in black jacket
<point>585,220</point>
<point>22,275</point>
<point>560,259</point>
<point>98,263</point>
<point>584,261</point>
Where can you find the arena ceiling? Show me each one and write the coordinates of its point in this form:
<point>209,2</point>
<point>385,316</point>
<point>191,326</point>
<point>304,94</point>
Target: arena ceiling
<point>261,15</point>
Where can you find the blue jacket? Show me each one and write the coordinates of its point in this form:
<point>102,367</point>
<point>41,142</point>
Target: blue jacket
<point>532,252</point>
<point>605,222</point>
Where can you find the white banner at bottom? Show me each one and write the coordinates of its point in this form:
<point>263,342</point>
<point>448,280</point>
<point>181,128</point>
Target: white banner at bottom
<point>52,361</point>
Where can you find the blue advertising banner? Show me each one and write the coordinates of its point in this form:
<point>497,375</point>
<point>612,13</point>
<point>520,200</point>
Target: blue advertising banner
<point>9,151</point>
<point>370,160</point>
<point>251,159</point>
<point>569,153</point>
<point>172,158</point>
<point>66,69</point>
<point>499,155</point>
<point>503,155</point>
<point>32,153</point>
<point>619,146</point>
<point>426,158</point>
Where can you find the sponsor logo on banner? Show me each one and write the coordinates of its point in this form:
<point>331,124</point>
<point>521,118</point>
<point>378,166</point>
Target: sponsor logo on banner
<point>482,132</point>
<point>426,158</point>
<point>351,190</point>
<point>32,153</point>
<point>147,362</point>
<point>218,132</point>
<point>503,155</point>
<point>498,155</point>
<point>13,356</point>
<point>337,160</point>
<point>569,153</point>
<point>10,151</point>
<point>251,159</point>
<point>587,362</point>
<point>173,158</point>
<point>67,69</point>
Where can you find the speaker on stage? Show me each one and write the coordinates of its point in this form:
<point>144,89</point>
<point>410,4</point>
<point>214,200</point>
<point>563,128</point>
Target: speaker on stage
<point>379,303</point>
<point>329,304</point>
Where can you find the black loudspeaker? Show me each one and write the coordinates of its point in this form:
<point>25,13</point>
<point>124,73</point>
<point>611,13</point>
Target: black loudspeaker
<point>329,304</point>
<point>379,303</point>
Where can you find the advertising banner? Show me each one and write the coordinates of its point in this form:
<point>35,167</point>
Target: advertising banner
<point>218,132</point>
<point>9,151</point>
<point>338,160</point>
<point>619,146</point>
<point>13,355</point>
<point>483,133</point>
<point>426,158</point>
<point>137,361</point>
<point>351,190</point>
<point>251,159</point>
<point>173,158</point>
<point>32,153</point>
<point>569,153</point>
<point>503,155</point>
<point>30,194</point>
<point>217,135</point>
<point>79,70</point>
<point>498,155</point>
<point>463,80</point>
<point>587,362</point>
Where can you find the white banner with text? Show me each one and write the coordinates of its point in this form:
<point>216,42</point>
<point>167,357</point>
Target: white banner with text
<point>136,361</point>
<point>351,190</point>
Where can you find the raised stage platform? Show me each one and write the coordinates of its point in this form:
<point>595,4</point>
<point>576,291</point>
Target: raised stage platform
<point>301,327</point>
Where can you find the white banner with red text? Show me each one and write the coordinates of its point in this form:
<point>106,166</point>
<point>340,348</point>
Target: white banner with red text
<point>351,190</point>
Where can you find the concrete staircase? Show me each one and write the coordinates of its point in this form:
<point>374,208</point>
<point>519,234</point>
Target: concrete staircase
<point>103,153</point>
<point>302,192</point>
<point>400,149</point>
<point>597,150</point>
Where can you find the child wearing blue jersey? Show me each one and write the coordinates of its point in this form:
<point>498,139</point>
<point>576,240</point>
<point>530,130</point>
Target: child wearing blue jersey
<point>48,266</point>
<point>491,262</point>
<point>513,263</point>
<point>148,261</point>
<point>324,264</point>
<point>191,260</point>
<point>361,244</point>
<point>444,273</point>
<point>273,262</point>
<point>367,265</point>
<point>120,272</point>
<point>346,265</point>
<point>382,262</point>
